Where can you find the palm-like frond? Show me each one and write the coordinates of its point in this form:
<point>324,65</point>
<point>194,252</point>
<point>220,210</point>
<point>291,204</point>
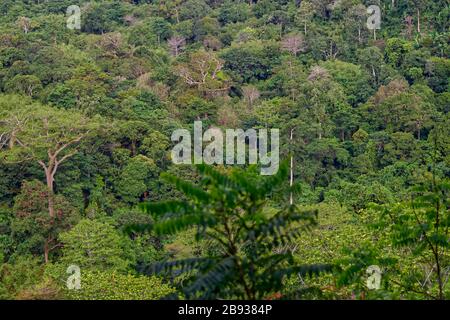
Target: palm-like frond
<point>229,210</point>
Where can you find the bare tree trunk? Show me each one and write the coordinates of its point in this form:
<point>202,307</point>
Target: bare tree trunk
<point>177,15</point>
<point>291,182</point>
<point>418,20</point>
<point>50,171</point>
<point>13,139</point>
<point>439,273</point>
<point>49,175</point>
<point>133,148</point>
<point>46,251</point>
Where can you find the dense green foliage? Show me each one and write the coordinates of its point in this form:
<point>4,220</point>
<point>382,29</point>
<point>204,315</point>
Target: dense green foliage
<point>112,286</point>
<point>86,118</point>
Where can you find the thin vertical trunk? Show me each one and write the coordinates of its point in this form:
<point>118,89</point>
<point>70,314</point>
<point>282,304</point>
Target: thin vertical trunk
<point>291,182</point>
<point>12,140</point>
<point>418,20</point>
<point>51,205</point>
<point>50,185</point>
<point>133,148</point>
<point>439,273</point>
<point>46,251</point>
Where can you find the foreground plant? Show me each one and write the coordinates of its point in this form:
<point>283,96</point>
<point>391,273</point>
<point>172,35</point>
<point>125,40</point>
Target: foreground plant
<point>229,210</point>
<point>422,226</point>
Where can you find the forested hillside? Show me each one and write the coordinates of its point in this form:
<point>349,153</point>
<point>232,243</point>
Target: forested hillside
<point>359,208</point>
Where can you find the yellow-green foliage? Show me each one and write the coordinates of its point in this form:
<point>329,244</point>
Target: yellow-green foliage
<point>116,286</point>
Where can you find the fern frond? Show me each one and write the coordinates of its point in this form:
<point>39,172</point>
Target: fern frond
<point>207,282</point>
<point>187,188</point>
<point>305,270</point>
<point>183,265</point>
<point>165,207</point>
<point>184,222</point>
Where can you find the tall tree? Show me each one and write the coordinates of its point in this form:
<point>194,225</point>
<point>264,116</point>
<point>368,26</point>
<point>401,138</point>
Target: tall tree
<point>39,133</point>
<point>304,14</point>
<point>293,44</point>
